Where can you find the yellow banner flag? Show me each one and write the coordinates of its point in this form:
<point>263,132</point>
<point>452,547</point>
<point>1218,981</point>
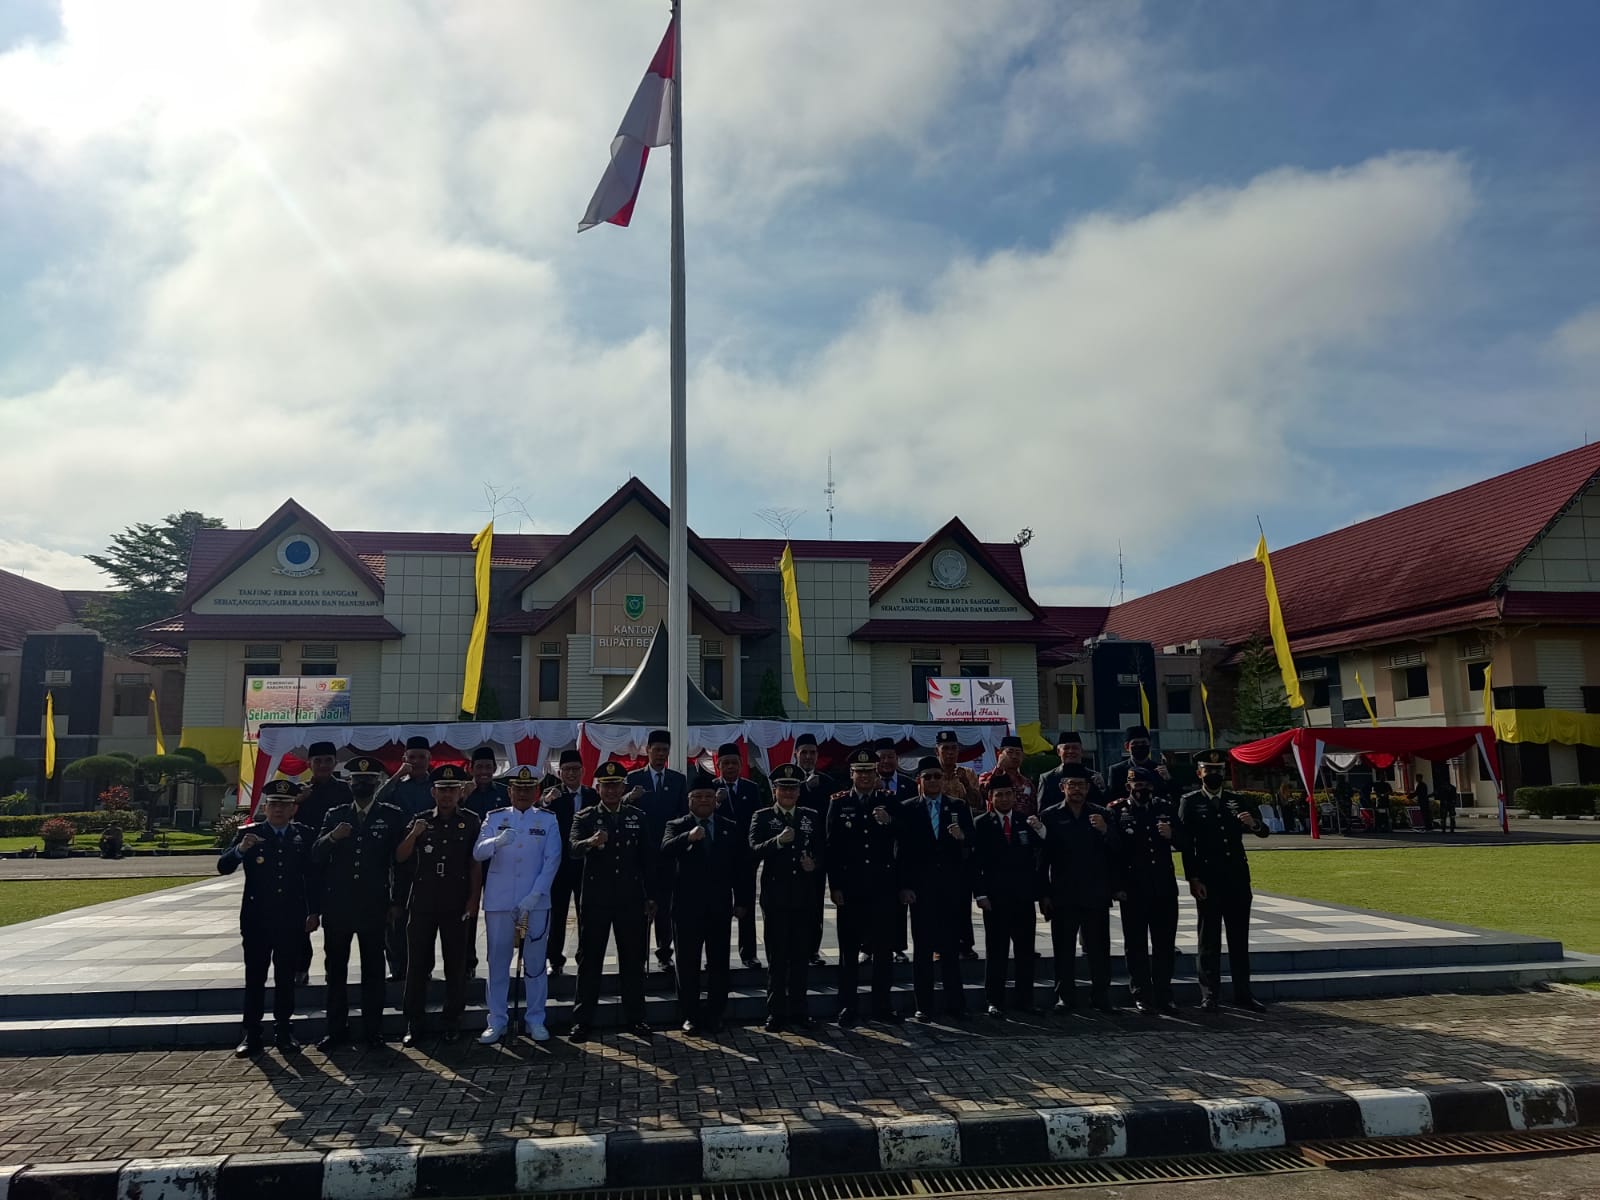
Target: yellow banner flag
<point>1073,712</point>
<point>1205,707</point>
<point>473,680</point>
<point>1488,694</point>
<point>49,735</point>
<point>1144,706</point>
<point>1365,703</point>
<point>1280,635</point>
<point>797,647</point>
<point>155,713</point>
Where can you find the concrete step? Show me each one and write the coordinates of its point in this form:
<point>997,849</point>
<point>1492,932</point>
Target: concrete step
<point>747,1005</point>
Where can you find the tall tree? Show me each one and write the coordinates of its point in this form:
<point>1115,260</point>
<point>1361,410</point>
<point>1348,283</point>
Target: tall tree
<point>1261,707</point>
<point>149,564</point>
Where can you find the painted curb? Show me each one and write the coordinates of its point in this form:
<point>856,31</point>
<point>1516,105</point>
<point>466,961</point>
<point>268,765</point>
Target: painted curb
<point>827,1146</point>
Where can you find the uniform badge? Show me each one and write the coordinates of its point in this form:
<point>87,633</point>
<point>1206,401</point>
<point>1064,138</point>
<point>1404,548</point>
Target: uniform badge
<point>427,848</point>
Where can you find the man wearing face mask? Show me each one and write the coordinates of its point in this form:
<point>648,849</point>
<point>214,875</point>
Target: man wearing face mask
<point>1215,822</point>
<point>322,791</point>
<point>1140,755</point>
<point>1147,831</point>
<point>705,852</point>
<point>356,855</point>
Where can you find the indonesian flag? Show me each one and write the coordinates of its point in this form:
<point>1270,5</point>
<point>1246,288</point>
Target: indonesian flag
<point>648,123</point>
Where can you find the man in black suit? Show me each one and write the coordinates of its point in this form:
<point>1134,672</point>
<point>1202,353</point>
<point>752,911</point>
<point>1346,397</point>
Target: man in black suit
<point>787,842</point>
<point>900,786</point>
<point>661,794</point>
<point>1076,877</point>
<point>324,790</point>
<point>704,853</point>
<point>567,890</point>
<point>738,799</point>
<point>935,846</point>
<point>815,793</point>
<point>1006,852</point>
<point>277,910</point>
<point>1069,749</point>
<point>356,857</point>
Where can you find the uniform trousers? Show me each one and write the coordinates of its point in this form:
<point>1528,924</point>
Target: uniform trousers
<point>702,933</point>
<point>277,946</point>
<point>566,892</point>
<point>662,925</point>
<point>500,932</point>
<point>394,946</point>
<point>307,954</point>
<point>1009,928</point>
<point>597,921</point>
<point>1229,911</point>
<point>450,930</point>
<point>936,929</point>
<point>336,937</point>
<point>1093,923</point>
<point>787,933</point>
<point>868,924</point>
<point>747,925</point>
<point>1149,936</point>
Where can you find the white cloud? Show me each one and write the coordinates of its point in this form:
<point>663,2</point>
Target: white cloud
<point>1577,342</point>
<point>56,568</point>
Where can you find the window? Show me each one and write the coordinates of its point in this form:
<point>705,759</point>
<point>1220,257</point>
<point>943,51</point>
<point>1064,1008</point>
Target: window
<point>1475,672</point>
<point>1411,683</point>
<point>260,668</point>
<point>319,652</point>
<point>1180,700</point>
<point>1128,699</point>
<point>262,653</point>
<point>1315,692</point>
<point>5,686</point>
<point>711,678</point>
<point>319,668</point>
<point>971,670</point>
<point>920,674</point>
<point>58,679</point>
<point>130,695</point>
<point>549,680</point>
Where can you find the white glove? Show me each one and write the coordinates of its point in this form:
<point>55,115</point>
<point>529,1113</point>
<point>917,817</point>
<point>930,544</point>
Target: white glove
<point>533,902</point>
<point>505,837</point>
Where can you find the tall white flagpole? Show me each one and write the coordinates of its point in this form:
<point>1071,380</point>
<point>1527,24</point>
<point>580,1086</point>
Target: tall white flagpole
<point>678,528</point>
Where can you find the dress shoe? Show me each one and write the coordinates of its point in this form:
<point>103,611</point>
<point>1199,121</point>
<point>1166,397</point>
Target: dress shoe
<point>752,963</point>
<point>302,979</point>
<point>286,1042</point>
<point>1143,1007</point>
<point>1105,1006</point>
<point>490,1036</point>
<point>578,1033</point>
<point>330,1042</point>
<point>1064,1006</point>
<point>900,956</point>
<point>1250,1004</point>
<point>1168,1008</point>
<point>970,954</point>
<point>803,1023</point>
<point>451,1035</point>
<point>818,961</point>
<point>773,1025</point>
<point>538,1032</point>
<point>1210,1005</point>
<point>641,1029</point>
<point>412,1037</point>
<point>714,1026</point>
<point>919,1015</point>
<point>994,1011</point>
<point>249,1048</point>
<point>846,1018</point>
<point>691,1028</point>
<point>375,1041</point>
<point>1026,1009</point>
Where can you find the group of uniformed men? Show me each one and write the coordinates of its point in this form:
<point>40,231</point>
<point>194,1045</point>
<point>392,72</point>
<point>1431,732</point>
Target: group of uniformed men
<point>409,865</point>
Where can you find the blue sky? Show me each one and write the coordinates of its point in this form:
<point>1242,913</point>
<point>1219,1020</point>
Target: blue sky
<point>1118,273</point>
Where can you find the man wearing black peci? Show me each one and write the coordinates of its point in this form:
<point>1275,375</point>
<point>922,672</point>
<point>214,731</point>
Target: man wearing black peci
<point>1006,853</point>
<point>705,852</point>
<point>934,836</point>
<point>738,799</point>
<point>661,794</point>
<point>1215,822</point>
<point>324,790</point>
<point>565,802</point>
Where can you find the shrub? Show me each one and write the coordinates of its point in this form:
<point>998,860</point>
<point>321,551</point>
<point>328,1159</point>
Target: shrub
<point>31,825</point>
<point>115,799</point>
<point>1567,800</point>
<point>57,830</point>
<point>15,804</point>
<point>228,826</point>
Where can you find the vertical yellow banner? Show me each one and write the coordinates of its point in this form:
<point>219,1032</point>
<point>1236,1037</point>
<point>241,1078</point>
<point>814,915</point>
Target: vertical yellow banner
<point>797,648</point>
<point>1280,634</point>
<point>49,735</point>
<point>473,679</point>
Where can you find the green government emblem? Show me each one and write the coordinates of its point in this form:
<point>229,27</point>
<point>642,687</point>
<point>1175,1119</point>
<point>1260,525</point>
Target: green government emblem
<point>633,606</point>
<point>955,689</point>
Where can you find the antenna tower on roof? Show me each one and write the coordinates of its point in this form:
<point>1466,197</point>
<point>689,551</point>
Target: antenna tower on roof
<point>828,492</point>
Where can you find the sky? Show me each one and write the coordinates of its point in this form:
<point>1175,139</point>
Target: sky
<point>1130,276</point>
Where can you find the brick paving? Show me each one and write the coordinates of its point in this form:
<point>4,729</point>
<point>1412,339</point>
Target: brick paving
<point>205,1102</point>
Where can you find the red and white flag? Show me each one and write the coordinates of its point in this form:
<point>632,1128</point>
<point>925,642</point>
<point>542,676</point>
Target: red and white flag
<point>648,123</point>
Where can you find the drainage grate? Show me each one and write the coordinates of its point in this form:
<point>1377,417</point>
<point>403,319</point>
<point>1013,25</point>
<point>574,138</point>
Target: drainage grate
<point>1433,1147</point>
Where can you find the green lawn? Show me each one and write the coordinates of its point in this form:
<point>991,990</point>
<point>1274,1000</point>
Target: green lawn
<point>1546,891</point>
<point>28,899</point>
<point>176,840</point>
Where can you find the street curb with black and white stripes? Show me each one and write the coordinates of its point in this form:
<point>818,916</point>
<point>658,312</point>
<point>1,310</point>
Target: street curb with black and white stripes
<point>832,1146</point>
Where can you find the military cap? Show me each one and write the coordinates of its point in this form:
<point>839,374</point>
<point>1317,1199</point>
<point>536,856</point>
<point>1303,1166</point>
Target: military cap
<point>611,772</point>
<point>364,766</point>
<point>449,775</point>
<point>728,750</point>
<point>418,742</point>
<point>1068,737</point>
<point>280,789</point>
<point>924,765</point>
<point>658,737</point>
<point>523,776</point>
<point>863,760</point>
<point>1211,758</point>
<point>703,781</point>
<point>788,775</point>
<point>947,737</point>
<point>884,743</point>
<point>483,754</point>
<point>1011,742</point>
<point>805,739</point>
<point>1144,775</point>
<point>319,749</point>
<point>1135,732</point>
<point>571,756</point>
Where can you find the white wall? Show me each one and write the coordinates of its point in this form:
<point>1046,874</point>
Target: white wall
<point>833,604</point>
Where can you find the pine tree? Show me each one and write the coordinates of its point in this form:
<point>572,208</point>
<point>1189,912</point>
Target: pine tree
<point>1261,706</point>
<point>149,564</point>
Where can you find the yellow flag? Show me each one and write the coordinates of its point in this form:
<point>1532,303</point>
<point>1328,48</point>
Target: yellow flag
<point>1280,635</point>
<point>1488,694</point>
<point>1365,703</point>
<point>1205,707</point>
<point>49,735</point>
<point>797,647</point>
<point>1073,712</point>
<point>480,622</point>
<point>1144,706</point>
<point>155,712</point>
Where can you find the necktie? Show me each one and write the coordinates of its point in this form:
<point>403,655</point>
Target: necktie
<point>655,781</point>
<point>933,816</point>
<point>1007,820</point>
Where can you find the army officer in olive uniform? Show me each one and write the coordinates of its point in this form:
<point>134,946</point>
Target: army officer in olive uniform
<point>278,910</point>
<point>618,851</point>
<point>356,856</point>
<point>445,889</point>
<point>1146,829</point>
<point>786,841</point>
<point>1215,821</point>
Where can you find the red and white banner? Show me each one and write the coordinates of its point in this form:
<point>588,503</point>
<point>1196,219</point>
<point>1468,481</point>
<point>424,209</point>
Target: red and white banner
<point>648,123</point>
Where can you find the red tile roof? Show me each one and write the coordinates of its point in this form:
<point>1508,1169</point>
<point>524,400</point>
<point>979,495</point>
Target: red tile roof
<point>1072,625</point>
<point>1448,551</point>
<point>762,554</point>
<point>27,606</point>
<point>186,626</point>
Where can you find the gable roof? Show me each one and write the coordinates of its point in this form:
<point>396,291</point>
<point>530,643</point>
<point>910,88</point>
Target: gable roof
<point>1364,580</point>
<point>633,490</point>
<point>956,530</point>
<point>27,606</point>
<point>289,514</point>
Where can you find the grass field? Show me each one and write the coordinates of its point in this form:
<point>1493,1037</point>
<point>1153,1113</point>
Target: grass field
<point>28,899</point>
<point>176,840</point>
<point>1546,891</point>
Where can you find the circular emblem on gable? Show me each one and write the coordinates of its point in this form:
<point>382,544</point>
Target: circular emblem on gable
<point>949,569</point>
<point>297,556</point>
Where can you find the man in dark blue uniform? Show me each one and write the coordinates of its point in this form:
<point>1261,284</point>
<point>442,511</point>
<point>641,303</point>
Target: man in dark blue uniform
<point>1006,854</point>
<point>324,790</point>
<point>705,852</point>
<point>565,801</point>
<point>934,836</point>
<point>355,855</point>
<point>787,841</point>
<point>1215,822</point>
<point>898,784</point>
<point>408,790</point>
<point>864,880</point>
<point>661,794</point>
<point>815,794</point>
<point>1076,878</point>
<point>277,911</point>
<point>1147,830</point>
<point>738,799</point>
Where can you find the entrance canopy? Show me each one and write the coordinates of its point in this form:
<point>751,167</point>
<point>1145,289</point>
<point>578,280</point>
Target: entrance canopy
<point>1433,742</point>
<point>644,700</point>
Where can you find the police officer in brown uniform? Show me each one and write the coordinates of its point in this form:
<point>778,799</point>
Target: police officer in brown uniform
<point>446,886</point>
<point>787,842</point>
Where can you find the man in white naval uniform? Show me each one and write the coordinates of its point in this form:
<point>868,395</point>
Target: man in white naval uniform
<point>521,849</point>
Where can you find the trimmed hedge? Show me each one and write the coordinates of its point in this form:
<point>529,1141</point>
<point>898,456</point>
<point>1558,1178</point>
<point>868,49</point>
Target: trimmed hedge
<point>228,826</point>
<point>1569,800</point>
<point>86,822</point>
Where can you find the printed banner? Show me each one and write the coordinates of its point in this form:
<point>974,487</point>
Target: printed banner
<point>972,699</point>
<point>295,700</point>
